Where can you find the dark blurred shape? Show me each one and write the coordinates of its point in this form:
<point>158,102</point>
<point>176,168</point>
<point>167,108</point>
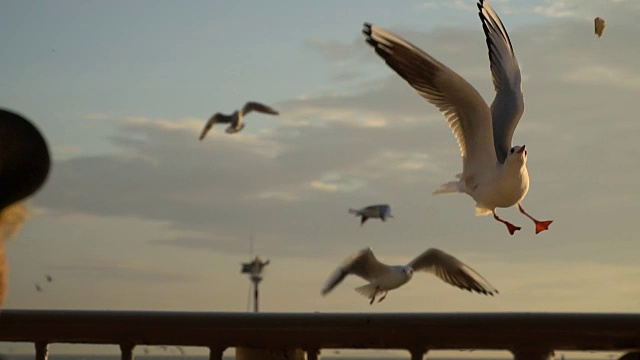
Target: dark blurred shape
<point>633,355</point>
<point>49,278</point>
<point>24,167</point>
<point>24,158</point>
<point>254,267</point>
<point>38,288</point>
<point>599,26</point>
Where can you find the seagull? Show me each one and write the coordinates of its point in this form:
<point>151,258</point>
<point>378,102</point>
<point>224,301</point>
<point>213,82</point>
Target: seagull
<point>235,120</point>
<point>49,278</point>
<point>598,26</point>
<point>494,173</point>
<point>381,212</point>
<point>38,288</point>
<point>383,278</point>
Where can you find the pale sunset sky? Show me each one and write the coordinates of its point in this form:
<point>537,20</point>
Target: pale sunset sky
<point>137,214</point>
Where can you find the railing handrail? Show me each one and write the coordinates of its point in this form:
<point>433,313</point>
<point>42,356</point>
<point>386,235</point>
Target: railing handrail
<point>489,331</point>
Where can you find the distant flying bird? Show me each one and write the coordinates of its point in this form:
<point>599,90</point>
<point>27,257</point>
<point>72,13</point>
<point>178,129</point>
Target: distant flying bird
<point>494,174</point>
<point>38,288</point>
<point>599,26</point>
<point>49,278</point>
<point>235,120</point>
<point>383,278</point>
<point>381,212</point>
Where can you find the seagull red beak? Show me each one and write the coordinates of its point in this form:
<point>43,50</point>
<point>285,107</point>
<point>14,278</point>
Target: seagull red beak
<point>521,150</point>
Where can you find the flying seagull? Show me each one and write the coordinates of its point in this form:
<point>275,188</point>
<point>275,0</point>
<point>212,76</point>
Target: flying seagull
<point>383,278</point>
<point>381,212</point>
<point>235,120</point>
<point>598,26</point>
<point>49,278</point>
<point>494,173</point>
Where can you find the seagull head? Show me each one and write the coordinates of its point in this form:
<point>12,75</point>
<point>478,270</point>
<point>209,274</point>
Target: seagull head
<point>385,211</point>
<point>408,271</point>
<point>517,155</point>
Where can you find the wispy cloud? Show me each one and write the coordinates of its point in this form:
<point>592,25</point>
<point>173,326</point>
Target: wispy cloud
<point>556,9</point>
<point>323,186</point>
<point>604,76</point>
<point>120,270</point>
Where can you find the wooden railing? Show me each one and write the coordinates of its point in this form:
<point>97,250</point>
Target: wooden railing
<point>526,335</point>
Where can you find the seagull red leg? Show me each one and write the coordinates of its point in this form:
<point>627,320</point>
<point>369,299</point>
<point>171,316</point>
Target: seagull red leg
<point>512,228</point>
<point>373,298</point>
<point>384,295</point>
<point>540,225</point>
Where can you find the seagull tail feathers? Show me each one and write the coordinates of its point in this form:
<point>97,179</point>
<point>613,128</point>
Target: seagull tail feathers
<point>368,290</point>
<point>452,187</point>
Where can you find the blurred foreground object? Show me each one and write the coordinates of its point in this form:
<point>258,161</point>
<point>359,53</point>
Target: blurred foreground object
<point>24,166</point>
<point>599,26</point>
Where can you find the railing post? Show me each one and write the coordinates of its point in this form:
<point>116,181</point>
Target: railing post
<point>42,350</point>
<point>126,351</point>
<point>532,353</point>
<point>632,355</point>
<point>215,352</point>
<point>312,354</point>
<point>417,353</point>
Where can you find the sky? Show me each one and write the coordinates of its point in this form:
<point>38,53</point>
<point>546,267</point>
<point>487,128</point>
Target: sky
<point>137,214</point>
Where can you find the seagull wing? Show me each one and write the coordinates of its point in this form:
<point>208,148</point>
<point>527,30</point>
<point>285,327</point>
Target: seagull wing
<point>466,112</point>
<point>452,271</point>
<point>508,104</point>
<point>363,264</point>
<point>212,121</point>
<point>255,106</point>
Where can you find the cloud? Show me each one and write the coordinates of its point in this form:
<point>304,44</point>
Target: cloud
<point>97,116</point>
<point>557,9</point>
<point>604,76</point>
<point>323,186</point>
<point>196,243</point>
<point>334,52</point>
<point>334,182</point>
<point>461,5</point>
<point>378,141</point>
<point>118,270</point>
<point>430,5</point>
<point>312,115</point>
<point>620,10</point>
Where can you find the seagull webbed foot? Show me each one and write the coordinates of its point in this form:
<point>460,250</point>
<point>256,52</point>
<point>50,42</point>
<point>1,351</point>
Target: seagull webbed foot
<point>540,225</point>
<point>512,228</point>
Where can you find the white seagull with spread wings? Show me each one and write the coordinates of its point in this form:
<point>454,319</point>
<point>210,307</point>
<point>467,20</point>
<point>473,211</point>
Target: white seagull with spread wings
<point>235,120</point>
<point>383,278</point>
<point>494,174</point>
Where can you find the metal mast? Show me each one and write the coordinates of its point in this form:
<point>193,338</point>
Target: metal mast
<point>254,268</point>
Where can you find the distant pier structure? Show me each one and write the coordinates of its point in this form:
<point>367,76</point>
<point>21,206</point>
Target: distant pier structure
<point>254,269</point>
